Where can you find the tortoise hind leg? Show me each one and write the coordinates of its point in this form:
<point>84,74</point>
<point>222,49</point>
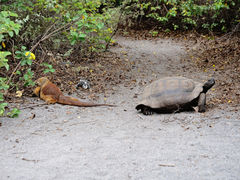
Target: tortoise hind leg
<point>202,102</point>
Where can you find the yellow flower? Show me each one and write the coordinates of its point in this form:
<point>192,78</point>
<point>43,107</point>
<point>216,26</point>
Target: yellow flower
<point>32,56</point>
<point>27,53</point>
<point>213,65</point>
<point>3,45</point>
<point>109,30</point>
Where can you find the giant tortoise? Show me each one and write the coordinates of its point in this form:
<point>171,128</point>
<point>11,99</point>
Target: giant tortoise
<point>172,94</point>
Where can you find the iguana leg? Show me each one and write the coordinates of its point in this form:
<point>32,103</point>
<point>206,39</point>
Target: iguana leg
<point>147,110</point>
<point>36,91</point>
<point>202,102</point>
<point>49,99</point>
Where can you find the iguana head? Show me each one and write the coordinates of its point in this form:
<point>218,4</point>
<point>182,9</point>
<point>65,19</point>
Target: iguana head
<point>41,81</point>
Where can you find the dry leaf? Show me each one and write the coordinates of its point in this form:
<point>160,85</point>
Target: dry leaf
<point>19,93</point>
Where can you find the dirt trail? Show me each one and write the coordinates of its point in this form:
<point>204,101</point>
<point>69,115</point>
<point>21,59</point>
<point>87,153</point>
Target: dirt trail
<point>62,142</point>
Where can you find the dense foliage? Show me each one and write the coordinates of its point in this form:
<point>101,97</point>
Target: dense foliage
<point>214,16</point>
<point>62,26</point>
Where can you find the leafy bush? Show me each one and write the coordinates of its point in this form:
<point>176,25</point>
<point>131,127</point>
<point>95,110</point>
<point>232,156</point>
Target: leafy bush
<point>7,29</point>
<point>217,15</point>
<point>70,26</point>
<point>78,22</point>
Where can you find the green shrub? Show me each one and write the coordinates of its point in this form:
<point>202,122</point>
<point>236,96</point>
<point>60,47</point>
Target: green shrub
<point>217,15</point>
<point>73,21</point>
<point>7,29</point>
<point>78,26</point>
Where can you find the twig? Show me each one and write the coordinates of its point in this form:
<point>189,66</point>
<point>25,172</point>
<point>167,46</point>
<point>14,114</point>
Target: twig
<point>165,8</point>
<point>35,105</point>
<point>116,29</point>
<point>232,32</point>
<point>59,29</point>
<point>15,69</point>
<point>144,34</point>
<point>35,161</point>
<point>44,37</point>
<point>167,165</point>
<point>74,124</point>
<point>140,116</point>
<point>13,50</point>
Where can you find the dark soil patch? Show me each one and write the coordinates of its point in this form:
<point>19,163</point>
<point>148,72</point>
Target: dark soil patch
<point>102,70</point>
<point>220,56</point>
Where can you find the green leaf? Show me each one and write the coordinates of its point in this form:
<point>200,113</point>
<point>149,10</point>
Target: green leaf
<point>7,67</point>
<point>16,31</point>
<point>18,52</point>
<point>10,33</point>
<point>5,13</point>
<point>13,14</point>
<point>1,37</point>
<point>75,18</point>
<point>23,62</point>
<point>46,71</point>
<point>29,62</point>
<point>3,60</point>
<point>4,54</point>
<point>14,113</point>
<point>26,77</point>
<point>2,108</point>
<point>82,36</point>
<point>73,41</point>
<point>1,97</point>
<point>18,72</point>
<point>23,48</point>
<point>100,25</point>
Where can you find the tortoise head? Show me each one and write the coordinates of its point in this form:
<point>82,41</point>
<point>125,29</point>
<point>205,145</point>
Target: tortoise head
<point>207,85</point>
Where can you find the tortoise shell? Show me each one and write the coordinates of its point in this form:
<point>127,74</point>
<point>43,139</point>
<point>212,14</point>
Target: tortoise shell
<point>170,91</point>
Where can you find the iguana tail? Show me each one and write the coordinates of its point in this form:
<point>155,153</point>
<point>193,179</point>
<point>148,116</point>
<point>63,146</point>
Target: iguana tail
<point>67,100</point>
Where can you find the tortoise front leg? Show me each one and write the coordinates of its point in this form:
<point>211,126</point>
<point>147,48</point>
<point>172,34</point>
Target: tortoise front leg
<point>202,102</point>
<point>147,110</point>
